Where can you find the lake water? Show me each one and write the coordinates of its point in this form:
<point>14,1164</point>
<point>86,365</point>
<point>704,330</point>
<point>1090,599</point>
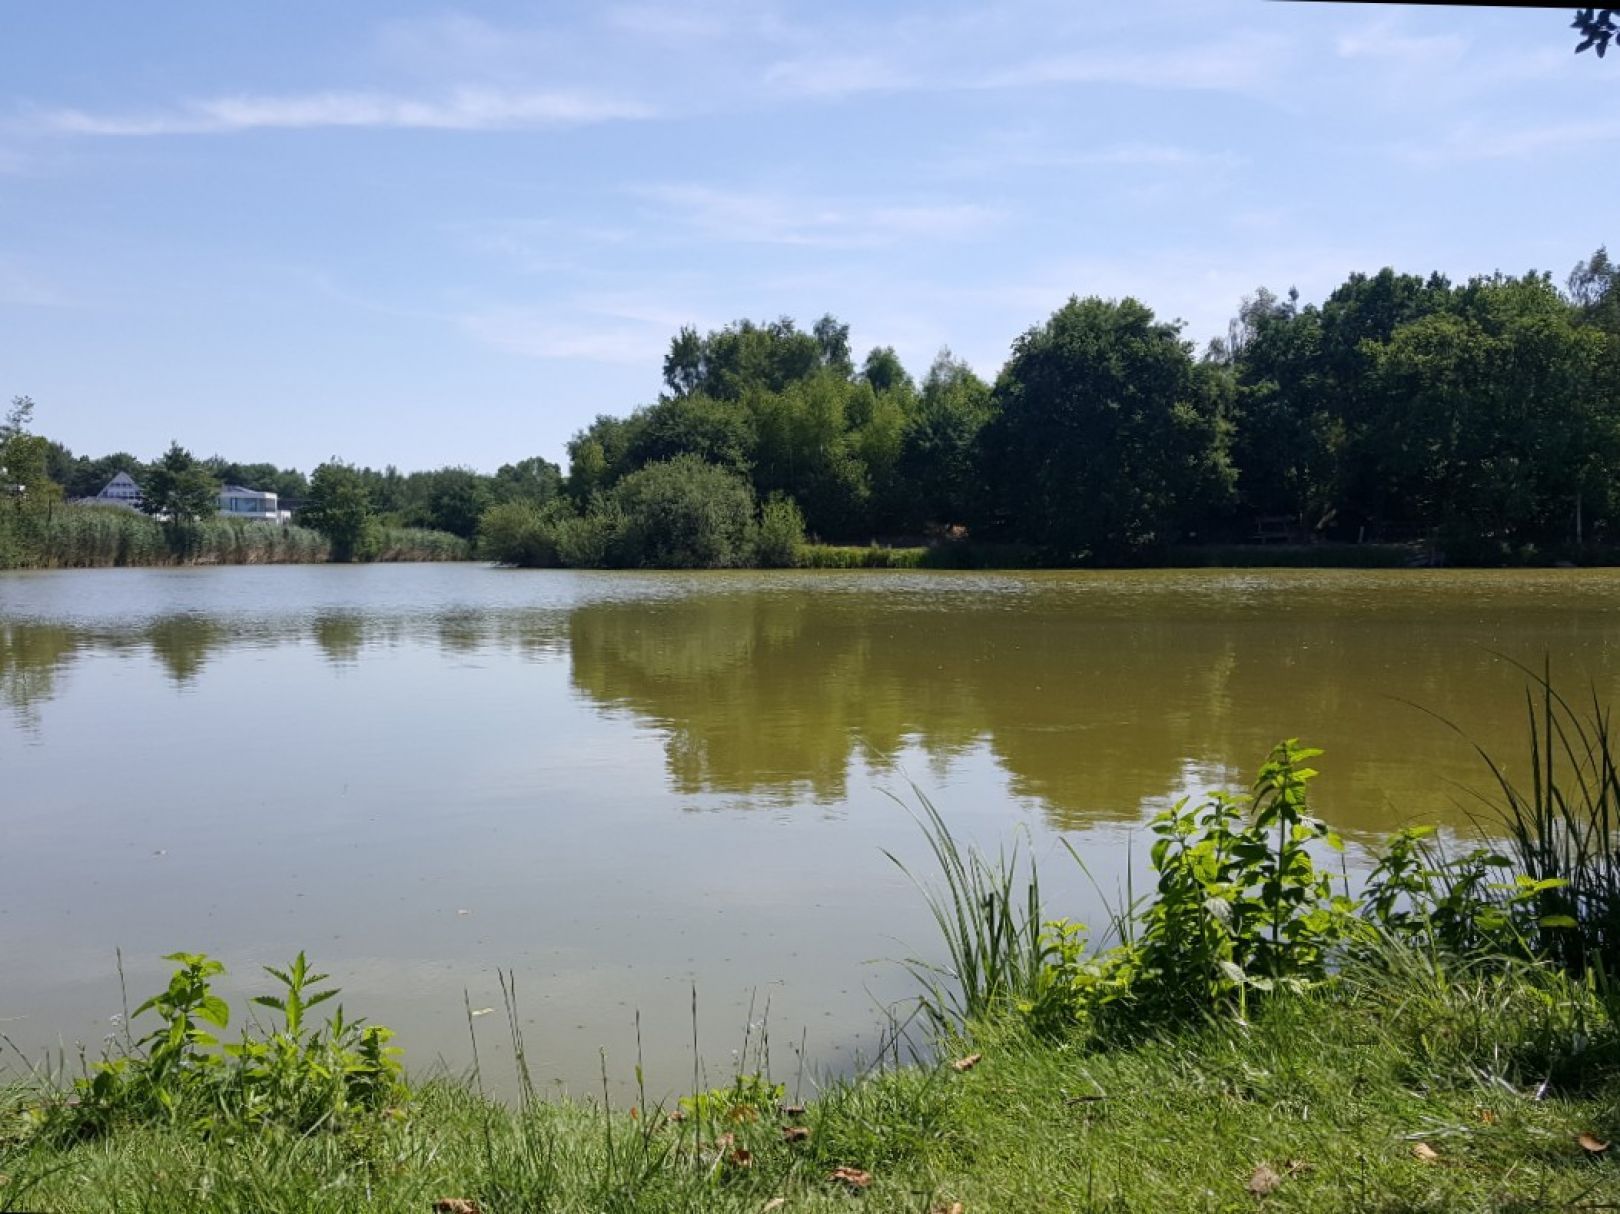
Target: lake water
<point>622,786</point>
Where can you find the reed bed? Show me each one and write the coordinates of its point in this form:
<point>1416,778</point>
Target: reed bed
<point>837,556</point>
<point>91,537</point>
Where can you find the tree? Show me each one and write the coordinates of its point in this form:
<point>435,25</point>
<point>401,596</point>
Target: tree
<point>1286,437</point>
<point>1498,419</point>
<point>1110,439</point>
<point>456,499</point>
<point>728,363</point>
<point>884,370</point>
<point>1594,288</point>
<point>340,508</point>
<point>27,492</point>
<point>940,456</point>
<point>534,480</point>
<point>180,491</point>
<point>719,431</point>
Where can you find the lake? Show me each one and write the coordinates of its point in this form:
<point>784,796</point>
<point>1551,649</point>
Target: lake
<point>622,787</point>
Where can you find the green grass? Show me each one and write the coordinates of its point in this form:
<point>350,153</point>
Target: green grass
<point>1331,1091</point>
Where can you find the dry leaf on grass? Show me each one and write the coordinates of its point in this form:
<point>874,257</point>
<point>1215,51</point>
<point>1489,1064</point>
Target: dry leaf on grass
<point>795,1133</point>
<point>1487,1116</point>
<point>853,1177</point>
<point>1592,1144</point>
<point>955,1207</point>
<point>775,1203</point>
<point>966,1064</point>
<point>1424,1153</point>
<point>1264,1181</point>
<point>741,1158</point>
<point>455,1205</point>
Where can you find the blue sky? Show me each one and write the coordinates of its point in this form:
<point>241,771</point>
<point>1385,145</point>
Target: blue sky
<point>420,235</point>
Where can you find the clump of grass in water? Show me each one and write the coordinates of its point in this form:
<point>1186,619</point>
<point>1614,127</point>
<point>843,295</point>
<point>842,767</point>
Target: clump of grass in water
<point>1563,831</point>
<point>990,927</point>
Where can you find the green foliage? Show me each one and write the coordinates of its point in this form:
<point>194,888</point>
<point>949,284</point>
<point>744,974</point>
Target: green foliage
<point>991,928</point>
<point>871,556</point>
<point>1563,830</point>
<point>523,533</point>
<point>456,500</point>
<point>534,480</point>
<point>287,1076</point>
<point>1241,910</point>
<point>748,1098</point>
<point>181,493</point>
<point>682,513</point>
<point>779,542</point>
<point>27,494</point>
<point>340,508</point>
<point>1109,441</point>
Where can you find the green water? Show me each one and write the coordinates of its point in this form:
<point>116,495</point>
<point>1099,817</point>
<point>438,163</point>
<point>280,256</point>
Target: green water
<point>622,786</point>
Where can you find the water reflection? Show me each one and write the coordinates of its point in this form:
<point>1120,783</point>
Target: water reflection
<point>1094,695</point>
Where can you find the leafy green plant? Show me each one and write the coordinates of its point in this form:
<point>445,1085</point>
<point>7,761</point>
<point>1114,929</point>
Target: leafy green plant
<point>748,1098</point>
<point>1240,908</point>
<point>1469,905</point>
<point>290,1075</point>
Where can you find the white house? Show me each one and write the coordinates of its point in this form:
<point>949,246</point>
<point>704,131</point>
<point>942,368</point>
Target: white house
<point>120,491</point>
<point>248,505</point>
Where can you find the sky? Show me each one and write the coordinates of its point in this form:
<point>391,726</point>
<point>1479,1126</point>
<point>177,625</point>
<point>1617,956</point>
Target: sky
<point>421,235</point>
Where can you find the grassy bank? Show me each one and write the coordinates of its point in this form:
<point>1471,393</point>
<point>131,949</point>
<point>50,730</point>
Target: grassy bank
<point>84,537</point>
<point>1328,1101</point>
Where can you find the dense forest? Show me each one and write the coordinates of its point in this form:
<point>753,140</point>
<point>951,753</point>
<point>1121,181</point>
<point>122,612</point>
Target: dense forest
<point>1481,418</point>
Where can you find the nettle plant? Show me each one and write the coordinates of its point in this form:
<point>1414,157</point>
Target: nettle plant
<point>1240,907</point>
<point>287,1074</point>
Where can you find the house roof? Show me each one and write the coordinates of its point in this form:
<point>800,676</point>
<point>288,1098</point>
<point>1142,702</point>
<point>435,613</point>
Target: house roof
<point>122,481</point>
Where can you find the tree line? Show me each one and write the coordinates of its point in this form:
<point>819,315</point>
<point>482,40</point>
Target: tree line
<point>1482,416</point>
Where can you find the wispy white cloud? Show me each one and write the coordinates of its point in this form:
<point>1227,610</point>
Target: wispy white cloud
<point>1246,62</point>
<point>692,22</point>
<point>758,217</point>
<point>840,76</point>
<point>467,109</point>
<point>1385,39</point>
<point>540,335</point>
<point>544,334</point>
<point>1476,141</point>
<point>1000,152</point>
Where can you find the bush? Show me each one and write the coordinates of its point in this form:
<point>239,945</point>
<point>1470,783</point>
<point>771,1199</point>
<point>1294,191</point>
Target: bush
<point>779,539</point>
<point>684,513</point>
<point>591,541</point>
<point>522,533</point>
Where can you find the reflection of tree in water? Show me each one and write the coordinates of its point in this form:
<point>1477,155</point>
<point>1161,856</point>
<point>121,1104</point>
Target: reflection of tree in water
<point>340,637</point>
<point>1094,696</point>
<point>183,644</point>
<point>31,656</point>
